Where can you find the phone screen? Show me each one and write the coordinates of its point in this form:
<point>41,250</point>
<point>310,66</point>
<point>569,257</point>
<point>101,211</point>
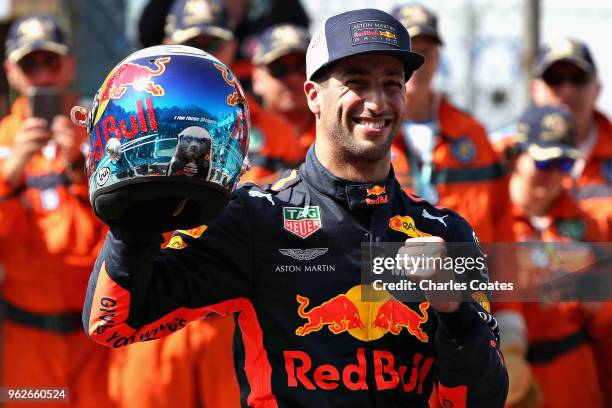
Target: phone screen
<point>45,102</point>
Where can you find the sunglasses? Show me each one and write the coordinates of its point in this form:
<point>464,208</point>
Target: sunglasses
<point>38,62</point>
<point>577,80</point>
<point>208,45</point>
<point>279,69</point>
<point>564,164</point>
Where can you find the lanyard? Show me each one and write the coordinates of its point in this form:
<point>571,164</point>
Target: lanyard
<point>420,139</point>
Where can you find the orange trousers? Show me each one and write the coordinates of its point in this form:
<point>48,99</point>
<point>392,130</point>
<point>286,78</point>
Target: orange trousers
<point>41,359</point>
<point>191,368</point>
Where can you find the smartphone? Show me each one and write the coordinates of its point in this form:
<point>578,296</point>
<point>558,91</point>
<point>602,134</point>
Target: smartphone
<point>45,102</point>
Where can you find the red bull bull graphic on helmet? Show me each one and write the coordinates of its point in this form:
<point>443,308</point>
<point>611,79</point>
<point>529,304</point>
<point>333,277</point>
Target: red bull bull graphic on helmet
<point>130,74</point>
<point>241,131</point>
<point>366,321</point>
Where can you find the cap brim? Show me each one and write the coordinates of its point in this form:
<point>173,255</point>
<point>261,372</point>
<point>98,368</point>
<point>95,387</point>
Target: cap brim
<point>181,36</point>
<point>18,53</point>
<point>426,31</point>
<point>275,54</point>
<point>411,60</point>
<point>578,62</point>
<point>540,153</point>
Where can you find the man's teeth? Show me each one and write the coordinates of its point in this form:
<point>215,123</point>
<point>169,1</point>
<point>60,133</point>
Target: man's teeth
<point>370,124</point>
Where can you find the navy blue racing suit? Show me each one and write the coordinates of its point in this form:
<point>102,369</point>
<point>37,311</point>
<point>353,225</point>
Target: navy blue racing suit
<point>286,261</point>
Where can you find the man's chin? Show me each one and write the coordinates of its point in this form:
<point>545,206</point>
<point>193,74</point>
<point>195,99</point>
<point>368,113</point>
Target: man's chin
<point>372,150</point>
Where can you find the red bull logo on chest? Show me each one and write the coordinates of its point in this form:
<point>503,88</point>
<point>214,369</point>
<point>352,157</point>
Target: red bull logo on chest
<point>363,320</point>
<point>366,321</point>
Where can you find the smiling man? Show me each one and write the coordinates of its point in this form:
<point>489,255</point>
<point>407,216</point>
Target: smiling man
<point>307,338</point>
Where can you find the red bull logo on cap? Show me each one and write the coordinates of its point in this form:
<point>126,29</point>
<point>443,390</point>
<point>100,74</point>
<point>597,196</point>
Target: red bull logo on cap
<point>365,321</point>
<point>130,74</point>
<point>388,34</point>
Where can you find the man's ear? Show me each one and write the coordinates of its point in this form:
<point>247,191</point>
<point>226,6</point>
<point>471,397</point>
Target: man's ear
<point>9,70</point>
<point>313,96</point>
<point>256,82</point>
<point>598,90</point>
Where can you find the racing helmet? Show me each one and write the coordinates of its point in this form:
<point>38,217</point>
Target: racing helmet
<point>168,137</point>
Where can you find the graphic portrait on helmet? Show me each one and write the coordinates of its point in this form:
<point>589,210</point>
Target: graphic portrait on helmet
<point>192,155</point>
<point>168,132</point>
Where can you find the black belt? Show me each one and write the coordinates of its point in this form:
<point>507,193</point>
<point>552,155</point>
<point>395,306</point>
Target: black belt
<point>62,323</point>
<point>542,352</point>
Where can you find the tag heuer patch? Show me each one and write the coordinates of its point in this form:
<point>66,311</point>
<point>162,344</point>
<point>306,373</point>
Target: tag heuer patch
<point>371,31</point>
<point>300,221</point>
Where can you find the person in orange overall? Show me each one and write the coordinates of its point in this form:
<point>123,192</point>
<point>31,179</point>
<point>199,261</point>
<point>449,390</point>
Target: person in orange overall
<point>443,154</point>
<point>48,233</point>
<point>554,336</point>
<point>279,72</point>
<point>566,75</point>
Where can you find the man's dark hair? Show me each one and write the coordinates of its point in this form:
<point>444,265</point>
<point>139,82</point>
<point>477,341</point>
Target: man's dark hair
<point>322,75</point>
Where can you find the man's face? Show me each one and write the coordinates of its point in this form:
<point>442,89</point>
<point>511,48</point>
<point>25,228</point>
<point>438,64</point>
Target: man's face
<point>40,68</point>
<point>281,84</point>
<point>430,49</point>
<point>544,180</point>
<point>361,105</point>
<point>564,84</point>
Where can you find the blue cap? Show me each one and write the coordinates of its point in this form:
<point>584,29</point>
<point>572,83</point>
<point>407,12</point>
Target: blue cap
<point>548,133</point>
<point>36,32</point>
<point>279,40</point>
<point>357,32</point>
<point>191,18</point>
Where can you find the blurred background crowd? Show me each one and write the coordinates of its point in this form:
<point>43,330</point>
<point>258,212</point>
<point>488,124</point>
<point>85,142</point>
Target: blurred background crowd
<point>507,123</point>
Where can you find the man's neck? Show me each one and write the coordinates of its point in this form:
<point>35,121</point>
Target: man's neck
<point>299,121</point>
<point>420,107</point>
<point>353,170</point>
<point>584,124</point>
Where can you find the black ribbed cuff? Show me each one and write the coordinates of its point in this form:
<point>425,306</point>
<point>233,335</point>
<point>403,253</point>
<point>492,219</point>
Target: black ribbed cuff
<point>458,324</point>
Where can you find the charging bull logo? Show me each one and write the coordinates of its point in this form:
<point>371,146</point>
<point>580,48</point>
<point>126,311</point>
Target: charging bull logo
<point>237,96</point>
<point>338,314</point>
<point>388,34</point>
<point>130,74</point>
<point>394,315</point>
<point>348,313</point>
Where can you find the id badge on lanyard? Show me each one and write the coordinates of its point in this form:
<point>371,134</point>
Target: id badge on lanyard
<point>421,138</point>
